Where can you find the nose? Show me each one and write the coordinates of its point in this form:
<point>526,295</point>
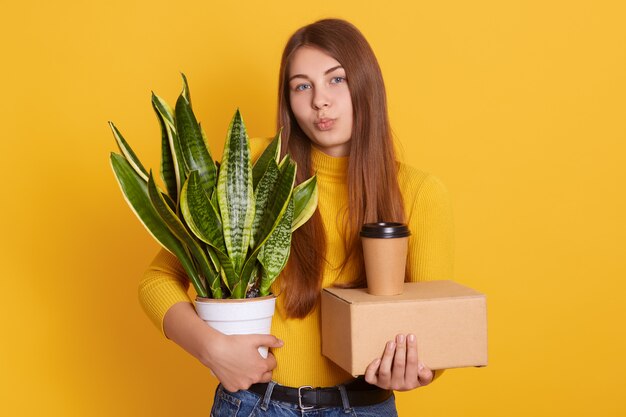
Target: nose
<point>320,99</point>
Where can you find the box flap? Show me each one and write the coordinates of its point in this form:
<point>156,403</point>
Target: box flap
<point>430,290</point>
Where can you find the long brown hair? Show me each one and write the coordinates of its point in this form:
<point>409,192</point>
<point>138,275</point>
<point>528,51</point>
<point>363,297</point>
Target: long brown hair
<point>373,191</point>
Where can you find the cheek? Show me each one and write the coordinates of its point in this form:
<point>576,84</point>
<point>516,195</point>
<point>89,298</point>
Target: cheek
<point>299,109</point>
<point>297,104</point>
<point>346,102</point>
<point>343,101</point>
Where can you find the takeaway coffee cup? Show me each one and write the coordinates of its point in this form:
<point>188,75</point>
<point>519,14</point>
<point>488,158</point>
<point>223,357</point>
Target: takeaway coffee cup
<point>385,247</point>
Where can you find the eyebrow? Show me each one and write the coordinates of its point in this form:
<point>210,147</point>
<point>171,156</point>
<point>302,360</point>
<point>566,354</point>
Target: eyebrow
<point>328,71</point>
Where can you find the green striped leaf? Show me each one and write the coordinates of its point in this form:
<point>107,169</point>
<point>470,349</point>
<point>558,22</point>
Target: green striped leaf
<point>275,252</point>
<point>262,196</point>
<point>135,191</point>
<point>195,152</point>
<point>199,213</point>
<point>168,169</point>
<point>213,257</point>
<point>276,205</point>
<point>214,201</point>
<point>166,118</point>
<point>204,222</point>
<point>132,158</point>
<point>305,202</point>
<point>272,196</point>
<point>186,93</point>
<point>252,282</point>
<point>272,151</point>
<point>235,192</point>
<point>128,153</point>
<point>215,260</point>
<point>204,138</point>
<point>163,110</point>
<point>181,232</point>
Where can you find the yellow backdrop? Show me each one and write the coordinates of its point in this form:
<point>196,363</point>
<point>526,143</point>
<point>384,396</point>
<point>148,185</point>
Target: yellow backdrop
<point>517,106</point>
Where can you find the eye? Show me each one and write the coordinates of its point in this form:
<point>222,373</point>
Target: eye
<point>337,80</point>
<point>302,87</point>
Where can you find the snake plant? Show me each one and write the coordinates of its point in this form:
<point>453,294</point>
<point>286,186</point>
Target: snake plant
<point>228,223</point>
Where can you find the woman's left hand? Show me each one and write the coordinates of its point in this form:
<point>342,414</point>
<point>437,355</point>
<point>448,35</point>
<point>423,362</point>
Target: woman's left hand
<point>399,369</point>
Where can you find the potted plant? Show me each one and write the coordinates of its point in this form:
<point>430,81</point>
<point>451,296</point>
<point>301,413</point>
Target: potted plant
<point>229,223</point>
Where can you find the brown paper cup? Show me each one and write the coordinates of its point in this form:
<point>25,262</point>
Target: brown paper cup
<point>385,247</point>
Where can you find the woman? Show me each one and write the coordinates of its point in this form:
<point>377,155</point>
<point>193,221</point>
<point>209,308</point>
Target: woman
<point>332,106</point>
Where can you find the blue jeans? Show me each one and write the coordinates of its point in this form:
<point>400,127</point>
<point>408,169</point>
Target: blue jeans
<point>249,404</point>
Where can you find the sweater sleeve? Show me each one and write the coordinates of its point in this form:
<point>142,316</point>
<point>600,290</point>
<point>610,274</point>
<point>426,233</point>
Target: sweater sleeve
<point>431,245</point>
<point>163,284</point>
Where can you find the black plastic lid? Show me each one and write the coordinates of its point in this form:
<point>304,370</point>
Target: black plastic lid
<point>385,230</point>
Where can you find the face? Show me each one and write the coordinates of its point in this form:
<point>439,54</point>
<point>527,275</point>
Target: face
<point>320,100</point>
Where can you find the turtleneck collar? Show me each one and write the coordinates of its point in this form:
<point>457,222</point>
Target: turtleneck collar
<point>327,166</point>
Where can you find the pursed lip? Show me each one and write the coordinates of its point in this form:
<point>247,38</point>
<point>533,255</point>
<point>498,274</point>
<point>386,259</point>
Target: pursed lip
<point>324,123</point>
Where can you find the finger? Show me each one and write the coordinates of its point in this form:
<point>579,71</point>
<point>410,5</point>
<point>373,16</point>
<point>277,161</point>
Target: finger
<point>399,361</point>
<point>270,362</point>
<point>230,388</point>
<point>370,372</point>
<point>425,375</point>
<point>411,370</point>
<point>266,377</point>
<point>268,340</point>
<point>384,369</point>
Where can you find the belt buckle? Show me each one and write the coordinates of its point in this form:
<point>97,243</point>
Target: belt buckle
<point>303,407</point>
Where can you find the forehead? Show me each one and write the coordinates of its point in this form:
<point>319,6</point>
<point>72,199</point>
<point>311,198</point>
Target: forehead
<point>310,61</point>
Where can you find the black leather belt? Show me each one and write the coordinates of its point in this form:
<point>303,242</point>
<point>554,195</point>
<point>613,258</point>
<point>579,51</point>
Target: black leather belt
<point>359,393</point>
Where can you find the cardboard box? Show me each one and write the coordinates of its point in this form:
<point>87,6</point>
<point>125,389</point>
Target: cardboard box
<point>449,320</point>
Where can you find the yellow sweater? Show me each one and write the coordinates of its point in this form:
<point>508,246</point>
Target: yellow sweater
<point>300,361</point>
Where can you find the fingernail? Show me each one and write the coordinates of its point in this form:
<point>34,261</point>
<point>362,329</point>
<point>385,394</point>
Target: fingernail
<point>391,345</point>
<point>412,338</point>
<point>400,338</point>
<point>420,367</point>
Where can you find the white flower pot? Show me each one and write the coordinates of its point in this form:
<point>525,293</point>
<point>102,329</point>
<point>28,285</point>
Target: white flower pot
<point>238,316</point>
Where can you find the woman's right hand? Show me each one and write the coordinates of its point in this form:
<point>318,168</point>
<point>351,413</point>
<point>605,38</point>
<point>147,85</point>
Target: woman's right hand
<point>234,359</point>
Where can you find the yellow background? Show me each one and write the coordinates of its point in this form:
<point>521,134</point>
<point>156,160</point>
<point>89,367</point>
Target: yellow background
<point>518,106</point>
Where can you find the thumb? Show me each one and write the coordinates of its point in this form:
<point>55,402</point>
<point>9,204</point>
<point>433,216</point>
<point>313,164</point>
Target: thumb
<point>425,375</point>
<point>268,340</point>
